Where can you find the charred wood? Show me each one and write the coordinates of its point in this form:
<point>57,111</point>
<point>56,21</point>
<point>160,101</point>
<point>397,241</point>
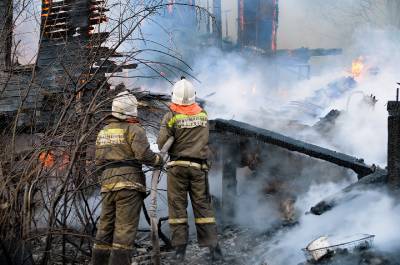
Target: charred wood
<point>378,179</point>
<point>266,136</point>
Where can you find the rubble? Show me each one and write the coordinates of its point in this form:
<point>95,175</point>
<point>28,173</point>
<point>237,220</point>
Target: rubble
<point>237,243</point>
<point>327,123</point>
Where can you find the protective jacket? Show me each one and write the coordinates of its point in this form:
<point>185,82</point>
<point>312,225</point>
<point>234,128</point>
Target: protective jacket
<point>121,149</point>
<point>190,131</point>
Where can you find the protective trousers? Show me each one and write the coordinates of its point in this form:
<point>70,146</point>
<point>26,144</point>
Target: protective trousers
<point>181,181</point>
<point>116,232</point>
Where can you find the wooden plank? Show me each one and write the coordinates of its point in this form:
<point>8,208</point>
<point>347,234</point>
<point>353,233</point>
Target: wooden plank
<point>266,136</point>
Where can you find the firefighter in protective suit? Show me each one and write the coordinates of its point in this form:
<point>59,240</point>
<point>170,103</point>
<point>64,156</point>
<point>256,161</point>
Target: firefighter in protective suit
<point>187,122</point>
<point>121,149</point>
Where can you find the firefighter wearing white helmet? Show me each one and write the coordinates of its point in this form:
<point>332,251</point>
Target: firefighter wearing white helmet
<point>121,149</point>
<point>183,93</point>
<point>187,122</point>
<point>124,106</point>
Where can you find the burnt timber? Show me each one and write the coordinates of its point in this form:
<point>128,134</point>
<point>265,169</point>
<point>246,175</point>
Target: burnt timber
<point>266,136</point>
<point>393,108</point>
<point>376,180</point>
<point>6,17</point>
<point>381,178</point>
<point>71,61</point>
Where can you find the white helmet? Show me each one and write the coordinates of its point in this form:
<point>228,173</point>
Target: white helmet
<point>124,106</point>
<point>183,93</point>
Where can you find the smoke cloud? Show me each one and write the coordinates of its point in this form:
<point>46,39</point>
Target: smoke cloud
<point>373,212</point>
<point>267,93</point>
<point>246,88</point>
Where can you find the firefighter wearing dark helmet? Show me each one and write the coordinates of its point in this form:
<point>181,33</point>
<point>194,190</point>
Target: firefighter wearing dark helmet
<point>121,149</point>
<point>187,122</point>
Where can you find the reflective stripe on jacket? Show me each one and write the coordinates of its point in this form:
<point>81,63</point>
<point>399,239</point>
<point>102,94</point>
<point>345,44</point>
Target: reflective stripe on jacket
<point>191,134</point>
<point>121,149</point>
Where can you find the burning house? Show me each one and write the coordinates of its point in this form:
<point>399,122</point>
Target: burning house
<point>258,24</point>
<point>71,59</point>
<point>50,113</point>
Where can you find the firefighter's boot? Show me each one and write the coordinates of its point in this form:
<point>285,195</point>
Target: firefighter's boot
<point>100,256</point>
<point>180,252</point>
<point>120,257</point>
<point>216,253</point>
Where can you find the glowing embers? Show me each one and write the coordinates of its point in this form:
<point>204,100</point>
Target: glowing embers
<point>54,159</point>
<point>62,18</point>
<point>258,22</point>
<point>47,159</point>
<point>97,14</point>
<point>46,8</point>
<point>55,16</point>
<point>357,67</point>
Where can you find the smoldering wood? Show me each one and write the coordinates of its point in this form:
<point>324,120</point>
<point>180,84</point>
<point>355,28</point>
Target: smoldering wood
<point>229,181</point>
<point>376,180</point>
<point>303,55</point>
<point>380,178</point>
<point>393,108</point>
<point>229,133</point>
<point>65,30</point>
<point>33,97</point>
<point>266,136</point>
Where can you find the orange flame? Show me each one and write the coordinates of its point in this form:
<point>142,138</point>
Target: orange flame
<point>241,15</point>
<point>357,67</point>
<point>47,159</point>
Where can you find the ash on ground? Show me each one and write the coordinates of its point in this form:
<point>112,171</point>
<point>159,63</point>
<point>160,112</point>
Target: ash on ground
<point>237,244</point>
<point>240,246</point>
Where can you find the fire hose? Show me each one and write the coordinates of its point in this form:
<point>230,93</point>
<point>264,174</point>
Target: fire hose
<point>155,255</point>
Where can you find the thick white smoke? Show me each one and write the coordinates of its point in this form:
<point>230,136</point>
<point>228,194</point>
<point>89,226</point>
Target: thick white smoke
<point>242,89</point>
<point>371,213</point>
<point>246,90</point>
<point>261,91</point>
